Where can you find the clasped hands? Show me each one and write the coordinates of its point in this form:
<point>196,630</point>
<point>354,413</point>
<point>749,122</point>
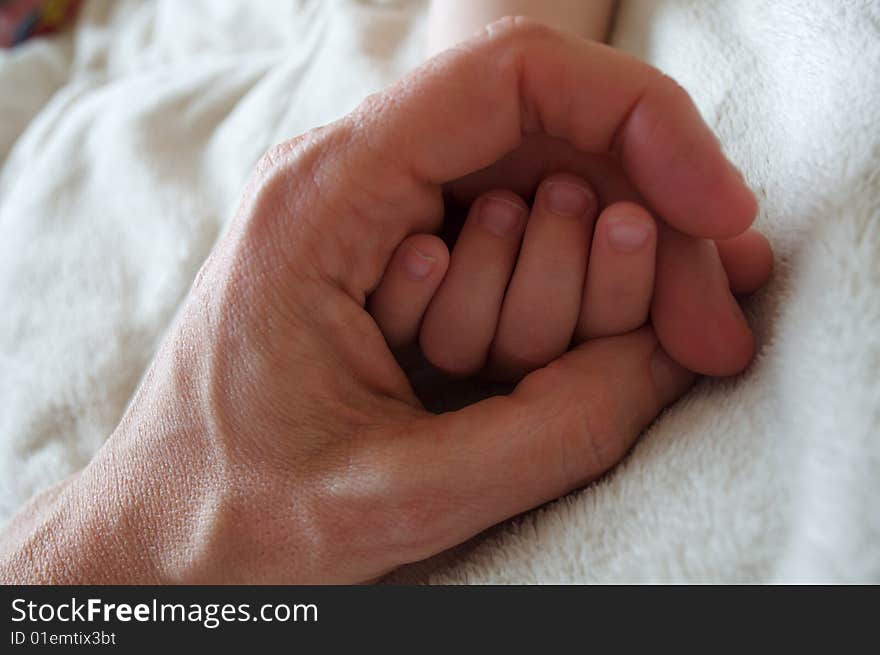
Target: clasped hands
<point>275,438</point>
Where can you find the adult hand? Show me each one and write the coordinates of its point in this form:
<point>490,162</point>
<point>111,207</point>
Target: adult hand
<point>274,437</point>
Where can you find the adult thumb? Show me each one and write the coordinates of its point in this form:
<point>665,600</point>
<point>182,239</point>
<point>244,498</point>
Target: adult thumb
<point>563,426</point>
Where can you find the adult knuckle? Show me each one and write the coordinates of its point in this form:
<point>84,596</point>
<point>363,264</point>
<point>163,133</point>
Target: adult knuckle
<point>371,106</point>
<point>600,428</point>
<point>582,418</point>
<point>410,526</point>
<point>275,155</point>
<point>288,177</point>
<point>588,441</point>
<point>280,155</point>
<point>309,146</point>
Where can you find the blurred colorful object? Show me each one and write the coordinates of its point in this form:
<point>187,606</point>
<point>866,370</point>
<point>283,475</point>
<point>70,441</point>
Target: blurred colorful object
<point>22,19</point>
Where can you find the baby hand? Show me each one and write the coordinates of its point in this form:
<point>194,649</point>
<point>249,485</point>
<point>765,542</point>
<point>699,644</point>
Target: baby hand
<point>521,285</point>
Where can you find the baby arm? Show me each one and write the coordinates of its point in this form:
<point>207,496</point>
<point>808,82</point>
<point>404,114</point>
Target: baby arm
<point>452,21</point>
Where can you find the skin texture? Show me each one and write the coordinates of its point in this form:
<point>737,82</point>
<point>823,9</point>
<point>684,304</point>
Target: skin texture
<point>275,439</point>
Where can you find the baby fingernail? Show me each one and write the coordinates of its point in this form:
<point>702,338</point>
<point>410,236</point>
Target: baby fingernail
<point>417,263</point>
<point>500,216</point>
<point>568,199</point>
<point>628,235</point>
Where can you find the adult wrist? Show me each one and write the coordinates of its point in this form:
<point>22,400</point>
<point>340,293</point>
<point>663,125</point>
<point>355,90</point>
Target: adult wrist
<point>132,514</point>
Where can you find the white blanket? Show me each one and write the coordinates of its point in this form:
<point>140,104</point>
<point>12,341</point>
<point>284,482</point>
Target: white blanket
<point>124,147</point>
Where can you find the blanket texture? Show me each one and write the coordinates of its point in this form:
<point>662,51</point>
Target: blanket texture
<point>125,144</point>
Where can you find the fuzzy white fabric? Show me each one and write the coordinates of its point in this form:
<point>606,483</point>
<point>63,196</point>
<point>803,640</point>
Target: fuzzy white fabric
<point>125,145</point>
